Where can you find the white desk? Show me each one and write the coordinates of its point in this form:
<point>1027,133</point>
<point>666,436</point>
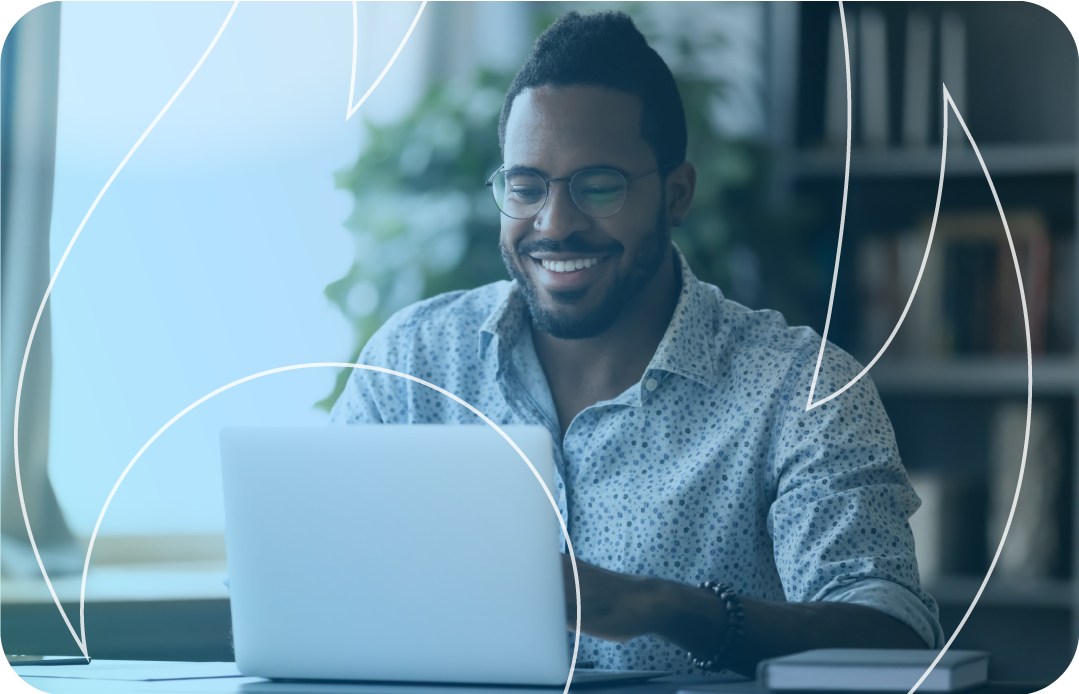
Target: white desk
<point>157,677</point>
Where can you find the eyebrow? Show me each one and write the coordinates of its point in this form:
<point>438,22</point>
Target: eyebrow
<point>544,174</point>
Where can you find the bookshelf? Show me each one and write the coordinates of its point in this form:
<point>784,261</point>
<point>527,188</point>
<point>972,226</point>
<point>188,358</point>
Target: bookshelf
<point>1056,594</point>
<point>1019,97</point>
<point>1004,376</point>
<point>1001,159</point>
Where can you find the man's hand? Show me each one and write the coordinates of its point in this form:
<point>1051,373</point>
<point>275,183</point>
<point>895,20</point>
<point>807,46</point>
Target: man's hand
<point>619,607</point>
<point>614,606</point>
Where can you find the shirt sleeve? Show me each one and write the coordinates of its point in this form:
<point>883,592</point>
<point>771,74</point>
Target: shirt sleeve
<point>895,601</point>
<point>842,498</point>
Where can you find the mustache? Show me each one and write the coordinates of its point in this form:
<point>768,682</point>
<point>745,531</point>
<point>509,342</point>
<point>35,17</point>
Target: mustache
<point>571,244</point>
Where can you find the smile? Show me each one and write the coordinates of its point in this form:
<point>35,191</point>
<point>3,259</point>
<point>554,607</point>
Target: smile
<point>569,265</point>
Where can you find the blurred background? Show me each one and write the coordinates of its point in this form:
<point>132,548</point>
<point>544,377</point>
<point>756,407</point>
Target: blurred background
<point>255,228</point>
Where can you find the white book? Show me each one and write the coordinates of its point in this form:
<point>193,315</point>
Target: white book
<point>953,71</point>
<point>1033,539</point>
<point>917,91</point>
<point>835,88</point>
<point>927,524</point>
<point>871,669</point>
<point>873,43</point>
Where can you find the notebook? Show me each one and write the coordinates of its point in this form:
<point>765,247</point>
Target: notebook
<point>870,669</point>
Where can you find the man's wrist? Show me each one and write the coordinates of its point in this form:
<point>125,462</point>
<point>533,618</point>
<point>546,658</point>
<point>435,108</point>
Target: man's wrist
<point>686,616</point>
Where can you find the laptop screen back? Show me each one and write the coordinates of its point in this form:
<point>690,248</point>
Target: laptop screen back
<point>394,552</point>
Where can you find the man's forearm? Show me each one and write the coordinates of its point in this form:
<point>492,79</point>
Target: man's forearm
<point>694,619</point>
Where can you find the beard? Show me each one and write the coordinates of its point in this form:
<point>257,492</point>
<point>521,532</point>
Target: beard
<point>567,324</point>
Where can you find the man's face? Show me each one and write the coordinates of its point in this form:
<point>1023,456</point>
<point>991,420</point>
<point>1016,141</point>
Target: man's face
<point>557,132</point>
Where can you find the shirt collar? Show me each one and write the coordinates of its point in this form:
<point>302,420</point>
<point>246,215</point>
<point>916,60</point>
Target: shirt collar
<point>504,325</point>
<point>687,348</point>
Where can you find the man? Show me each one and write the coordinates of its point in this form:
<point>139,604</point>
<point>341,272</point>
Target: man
<point>684,450</point>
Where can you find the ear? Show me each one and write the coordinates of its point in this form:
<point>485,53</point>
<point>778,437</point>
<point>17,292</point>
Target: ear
<point>680,185</point>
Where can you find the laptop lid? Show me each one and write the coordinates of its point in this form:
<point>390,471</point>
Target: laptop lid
<point>425,553</point>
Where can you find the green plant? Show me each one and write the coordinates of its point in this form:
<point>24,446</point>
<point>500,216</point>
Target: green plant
<point>423,221</point>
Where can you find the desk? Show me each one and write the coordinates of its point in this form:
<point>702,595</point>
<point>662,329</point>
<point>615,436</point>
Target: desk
<point>158,677</point>
<point>148,611</point>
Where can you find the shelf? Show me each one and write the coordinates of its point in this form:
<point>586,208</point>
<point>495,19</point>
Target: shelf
<point>134,583</point>
<point>976,376</point>
<point>1003,592</point>
<point>1060,158</point>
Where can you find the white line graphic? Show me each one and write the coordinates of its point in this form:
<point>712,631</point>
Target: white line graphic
<point>1030,360</point>
<point>349,108</point>
<point>294,367</point>
<point>842,223</point>
<point>80,638</point>
<point>41,308</point>
<point>948,104</point>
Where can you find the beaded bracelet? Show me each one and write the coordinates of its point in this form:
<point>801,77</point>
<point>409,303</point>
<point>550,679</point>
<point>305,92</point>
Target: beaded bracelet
<point>736,619</point>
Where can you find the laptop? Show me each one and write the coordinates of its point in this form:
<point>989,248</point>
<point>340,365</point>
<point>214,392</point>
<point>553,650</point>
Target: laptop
<point>396,553</point>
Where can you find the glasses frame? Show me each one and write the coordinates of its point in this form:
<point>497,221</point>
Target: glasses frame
<point>569,180</point>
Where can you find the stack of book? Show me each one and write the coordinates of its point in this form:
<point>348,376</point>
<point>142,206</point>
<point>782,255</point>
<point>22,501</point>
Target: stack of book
<point>921,93</point>
<point>961,519</point>
<point>968,300</point>
<point>1032,548</point>
<point>873,670</point>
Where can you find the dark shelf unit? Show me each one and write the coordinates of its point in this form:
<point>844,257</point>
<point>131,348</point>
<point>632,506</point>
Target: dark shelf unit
<point>1022,106</point>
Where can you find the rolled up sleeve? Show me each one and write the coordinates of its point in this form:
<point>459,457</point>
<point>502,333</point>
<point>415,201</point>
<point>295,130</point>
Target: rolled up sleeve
<point>839,522</point>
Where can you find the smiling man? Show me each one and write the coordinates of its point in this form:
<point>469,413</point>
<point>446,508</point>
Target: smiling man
<point>716,522</point>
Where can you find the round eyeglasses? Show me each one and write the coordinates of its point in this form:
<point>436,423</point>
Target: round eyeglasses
<point>521,193</point>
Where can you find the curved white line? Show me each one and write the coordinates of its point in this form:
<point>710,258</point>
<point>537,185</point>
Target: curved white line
<point>349,108</point>
<point>1030,388</point>
<point>281,369</point>
<point>842,211</point>
<point>41,309</point>
<point>917,280</point>
<point>948,103</point>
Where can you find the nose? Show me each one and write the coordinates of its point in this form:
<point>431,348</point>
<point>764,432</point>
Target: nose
<point>560,217</point>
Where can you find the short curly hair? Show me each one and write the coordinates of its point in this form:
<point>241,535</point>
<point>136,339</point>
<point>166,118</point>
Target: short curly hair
<point>606,49</point>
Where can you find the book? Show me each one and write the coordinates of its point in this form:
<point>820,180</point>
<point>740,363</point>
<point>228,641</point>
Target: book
<point>968,301</point>
<point>982,301</point>
<point>1033,255</point>
<point>916,81</point>
<point>925,333</point>
<point>1033,542</point>
<point>970,297</point>
<point>873,83</point>
<point>835,98</point>
<point>927,524</point>
<point>953,72</point>
<point>876,670</point>
<point>1063,291</point>
<point>875,270</point>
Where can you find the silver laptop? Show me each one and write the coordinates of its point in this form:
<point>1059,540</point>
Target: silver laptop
<point>421,553</point>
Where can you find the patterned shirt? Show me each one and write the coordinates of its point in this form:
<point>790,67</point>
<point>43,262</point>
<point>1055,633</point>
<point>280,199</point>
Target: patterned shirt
<point>708,468</point>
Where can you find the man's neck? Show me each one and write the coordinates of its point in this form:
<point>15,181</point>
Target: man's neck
<point>581,373</point>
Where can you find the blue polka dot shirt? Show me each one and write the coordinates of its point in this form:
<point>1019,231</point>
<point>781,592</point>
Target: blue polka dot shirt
<point>709,468</point>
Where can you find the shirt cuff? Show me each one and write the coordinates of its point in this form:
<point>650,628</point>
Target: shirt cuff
<point>895,601</point>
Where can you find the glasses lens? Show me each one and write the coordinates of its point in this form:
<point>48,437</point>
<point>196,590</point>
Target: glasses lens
<point>598,192</point>
<point>519,194</point>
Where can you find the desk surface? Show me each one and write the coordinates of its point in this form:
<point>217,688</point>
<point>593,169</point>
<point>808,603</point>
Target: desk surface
<point>158,677</point>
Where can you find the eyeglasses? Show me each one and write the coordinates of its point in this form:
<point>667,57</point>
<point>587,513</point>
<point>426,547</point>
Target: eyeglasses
<point>521,194</point>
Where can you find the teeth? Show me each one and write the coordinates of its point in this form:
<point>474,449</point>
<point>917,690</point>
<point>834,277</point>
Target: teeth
<point>569,265</point>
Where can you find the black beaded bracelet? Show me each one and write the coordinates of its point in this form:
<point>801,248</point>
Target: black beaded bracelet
<point>736,620</point>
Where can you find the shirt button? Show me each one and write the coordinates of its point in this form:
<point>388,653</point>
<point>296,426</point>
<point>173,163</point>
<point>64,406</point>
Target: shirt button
<point>651,384</point>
